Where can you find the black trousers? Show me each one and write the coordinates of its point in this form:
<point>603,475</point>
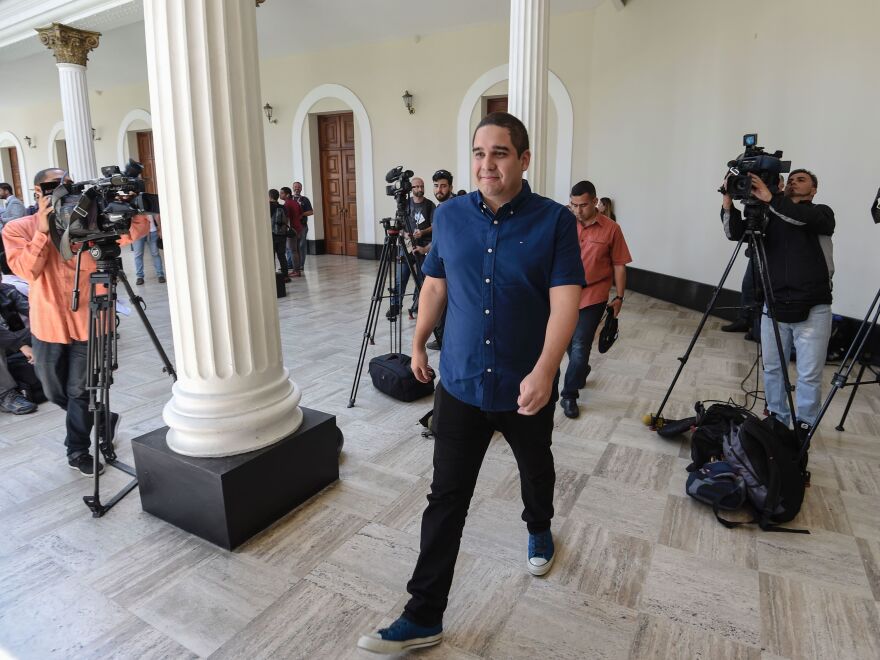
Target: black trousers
<point>279,245</point>
<point>461,438</point>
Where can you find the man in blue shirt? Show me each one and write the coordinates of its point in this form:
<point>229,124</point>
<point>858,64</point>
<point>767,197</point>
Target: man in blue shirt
<point>505,264</point>
<point>14,207</point>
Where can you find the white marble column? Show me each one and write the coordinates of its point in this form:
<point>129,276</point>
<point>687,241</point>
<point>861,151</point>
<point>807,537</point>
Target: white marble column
<point>527,90</point>
<point>233,393</point>
<point>71,47</point>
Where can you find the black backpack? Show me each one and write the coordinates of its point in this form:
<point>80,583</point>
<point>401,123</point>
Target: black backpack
<point>712,424</point>
<point>767,454</point>
<point>280,223</point>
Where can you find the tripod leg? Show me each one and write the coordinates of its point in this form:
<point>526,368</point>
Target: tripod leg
<point>852,395</point>
<point>372,318</point>
<point>683,359</point>
<point>757,245</point>
<point>139,304</point>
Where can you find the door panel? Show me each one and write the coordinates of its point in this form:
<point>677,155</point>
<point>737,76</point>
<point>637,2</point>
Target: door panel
<point>338,183</point>
<point>146,158</point>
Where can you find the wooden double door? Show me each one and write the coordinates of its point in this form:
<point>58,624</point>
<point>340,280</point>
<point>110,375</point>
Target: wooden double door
<point>338,183</point>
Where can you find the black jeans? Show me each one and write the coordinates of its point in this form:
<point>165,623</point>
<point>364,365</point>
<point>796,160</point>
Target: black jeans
<point>61,369</point>
<point>279,245</point>
<point>461,438</point>
<point>580,347</point>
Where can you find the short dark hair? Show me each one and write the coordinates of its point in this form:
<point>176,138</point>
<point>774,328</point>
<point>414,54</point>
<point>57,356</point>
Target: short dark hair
<point>519,136</point>
<point>583,188</point>
<point>43,175</point>
<point>273,194</point>
<point>287,190</point>
<point>442,174</point>
<point>5,186</point>
<point>808,173</point>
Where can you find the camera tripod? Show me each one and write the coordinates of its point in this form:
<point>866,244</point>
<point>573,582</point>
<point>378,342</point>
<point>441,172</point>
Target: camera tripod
<point>394,252</point>
<point>854,354</point>
<point>755,217</point>
<point>102,358</point>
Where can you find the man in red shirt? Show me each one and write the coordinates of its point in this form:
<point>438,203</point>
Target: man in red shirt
<point>294,217</point>
<point>605,255</point>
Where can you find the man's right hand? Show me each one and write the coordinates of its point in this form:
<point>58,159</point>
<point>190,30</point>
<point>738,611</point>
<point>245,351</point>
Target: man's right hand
<point>419,365</point>
<point>44,209</point>
<point>726,200</point>
<point>28,352</point>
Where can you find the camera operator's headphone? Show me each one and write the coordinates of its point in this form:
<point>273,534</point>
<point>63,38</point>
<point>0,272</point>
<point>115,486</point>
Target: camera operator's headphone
<point>73,217</point>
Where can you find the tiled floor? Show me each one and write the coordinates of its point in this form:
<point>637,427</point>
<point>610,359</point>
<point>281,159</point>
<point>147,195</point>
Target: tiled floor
<point>643,571</point>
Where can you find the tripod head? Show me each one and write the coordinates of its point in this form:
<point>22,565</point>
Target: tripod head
<point>108,259</point>
<point>756,216</point>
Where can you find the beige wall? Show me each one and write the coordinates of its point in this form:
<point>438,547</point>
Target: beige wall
<point>677,83</point>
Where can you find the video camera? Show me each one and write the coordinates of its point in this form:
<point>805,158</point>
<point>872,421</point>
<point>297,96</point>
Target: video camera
<point>400,186</point>
<point>99,209</point>
<point>754,161</point>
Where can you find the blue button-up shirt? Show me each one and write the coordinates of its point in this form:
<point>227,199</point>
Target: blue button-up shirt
<point>499,269</point>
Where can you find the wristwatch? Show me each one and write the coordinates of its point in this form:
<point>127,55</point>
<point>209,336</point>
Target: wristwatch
<point>620,298</point>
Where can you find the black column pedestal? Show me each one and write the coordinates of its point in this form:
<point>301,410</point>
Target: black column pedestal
<point>228,500</point>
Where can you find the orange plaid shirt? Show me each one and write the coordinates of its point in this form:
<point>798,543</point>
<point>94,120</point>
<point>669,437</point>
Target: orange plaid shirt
<point>32,256</point>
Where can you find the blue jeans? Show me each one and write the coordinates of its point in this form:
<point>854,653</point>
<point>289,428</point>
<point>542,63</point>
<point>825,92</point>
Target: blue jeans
<point>61,369</point>
<point>810,339</point>
<point>403,280</point>
<point>153,238</point>
<point>303,246</point>
<point>579,349</point>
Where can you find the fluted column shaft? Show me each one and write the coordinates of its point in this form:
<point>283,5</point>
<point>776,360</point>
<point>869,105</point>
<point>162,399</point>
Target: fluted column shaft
<point>233,393</point>
<point>77,121</point>
<point>527,90</point>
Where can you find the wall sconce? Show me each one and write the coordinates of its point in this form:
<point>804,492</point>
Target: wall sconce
<point>95,137</point>
<point>407,101</point>
<point>30,141</point>
<point>267,109</point>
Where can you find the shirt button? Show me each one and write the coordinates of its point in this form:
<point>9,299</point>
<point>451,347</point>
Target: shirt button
<point>489,370</point>
<point>494,222</point>
<point>488,341</point>
<point>487,311</point>
<point>489,250</point>
<point>488,281</point>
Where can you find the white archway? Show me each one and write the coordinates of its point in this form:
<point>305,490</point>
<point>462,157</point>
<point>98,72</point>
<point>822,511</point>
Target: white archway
<point>122,136</point>
<point>564,127</point>
<point>364,155</point>
<point>6,136</point>
<point>50,143</point>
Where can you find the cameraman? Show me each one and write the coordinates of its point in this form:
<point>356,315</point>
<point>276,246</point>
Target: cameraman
<point>60,335</point>
<point>800,264</point>
<point>418,229</point>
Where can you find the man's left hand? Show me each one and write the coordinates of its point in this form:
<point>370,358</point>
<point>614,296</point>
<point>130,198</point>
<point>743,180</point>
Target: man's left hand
<point>760,189</point>
<point>616,304</point>
<point>534,393</point>
<point>417,233</point>
<point>28,352</point>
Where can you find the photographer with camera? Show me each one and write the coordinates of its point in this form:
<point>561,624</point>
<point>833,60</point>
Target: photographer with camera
<point>59,334</point>
<point>799,260</point>
<point>418,229</point>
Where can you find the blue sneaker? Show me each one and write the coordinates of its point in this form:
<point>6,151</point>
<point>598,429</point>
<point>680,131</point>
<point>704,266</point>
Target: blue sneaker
<point>540,553</point>
<point>402,635</point>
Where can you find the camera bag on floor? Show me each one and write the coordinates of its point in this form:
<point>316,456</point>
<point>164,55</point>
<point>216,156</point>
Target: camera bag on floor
<point>391,374</point>
<point>767,455</point>
<point>712,424</point>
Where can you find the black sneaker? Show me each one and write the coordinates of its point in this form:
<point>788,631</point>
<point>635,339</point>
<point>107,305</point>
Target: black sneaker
<point>85,464</point>
<point>161,279</point>
<point>139,280</point>
<point>740,325</point>
<point>392,312</point>
<point>570,408</point>
<point>12,401</point>
<point>433,345</point>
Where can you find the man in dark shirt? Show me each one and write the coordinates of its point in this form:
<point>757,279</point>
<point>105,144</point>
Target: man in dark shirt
<point>15,337</point>
<point>505,263</point>
<point>799,260</point>
<point>418,232</point>
<point>307,212</point>
<point>294,218</point>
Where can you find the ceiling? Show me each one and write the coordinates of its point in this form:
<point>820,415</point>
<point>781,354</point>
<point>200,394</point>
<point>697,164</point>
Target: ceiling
<point>284,27</point>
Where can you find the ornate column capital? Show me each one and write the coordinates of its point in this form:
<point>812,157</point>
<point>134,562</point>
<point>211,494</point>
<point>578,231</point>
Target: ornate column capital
<point>70,45</point>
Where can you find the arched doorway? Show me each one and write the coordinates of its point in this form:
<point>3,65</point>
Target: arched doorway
<point>12,166</point>
<point>57,146</point>
<point>135,140</point>
<point>355,143</point>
